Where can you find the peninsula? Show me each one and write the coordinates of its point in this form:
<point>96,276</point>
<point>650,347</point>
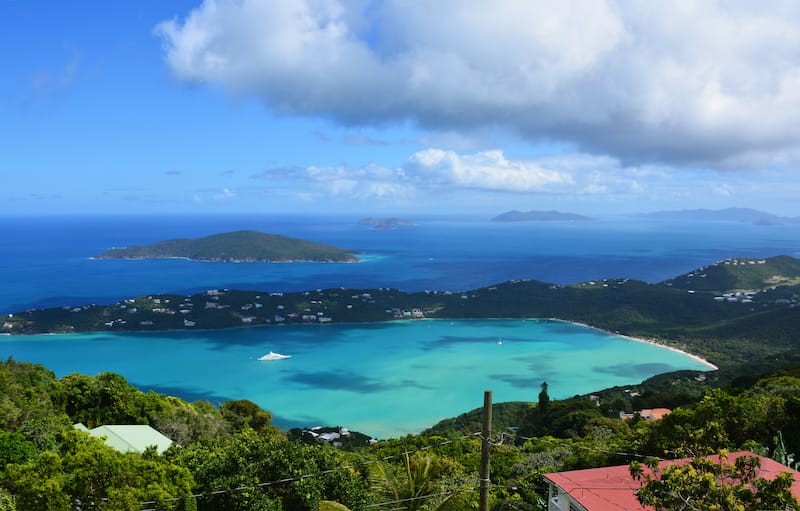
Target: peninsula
<point>238,246</point>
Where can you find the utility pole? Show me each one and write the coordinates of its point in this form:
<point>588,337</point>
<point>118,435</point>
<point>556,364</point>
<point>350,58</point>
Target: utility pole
<point>486,447</point>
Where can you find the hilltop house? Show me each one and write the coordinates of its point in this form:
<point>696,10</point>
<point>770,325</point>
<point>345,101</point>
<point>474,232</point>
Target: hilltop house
<point>612,488</point>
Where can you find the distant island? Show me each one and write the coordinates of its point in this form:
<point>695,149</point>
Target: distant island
<point>238,246</point>
<point>740,215</point>
<point>537,216</point>
<point>383,223</point>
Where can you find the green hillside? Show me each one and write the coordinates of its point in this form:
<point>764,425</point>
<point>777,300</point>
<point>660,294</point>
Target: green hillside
<point>231,457</point>
<point>239,246</point>
<point>730,331</point>
<point>740,274</point>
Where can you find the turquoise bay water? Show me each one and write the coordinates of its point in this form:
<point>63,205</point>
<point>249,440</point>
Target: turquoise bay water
<point>383,379</point>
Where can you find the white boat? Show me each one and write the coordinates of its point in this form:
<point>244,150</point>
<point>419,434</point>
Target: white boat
<point>273,356</point>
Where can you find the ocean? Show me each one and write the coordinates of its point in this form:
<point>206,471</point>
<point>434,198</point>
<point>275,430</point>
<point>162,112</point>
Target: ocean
<point>46,261</point>
<point>386,379</point>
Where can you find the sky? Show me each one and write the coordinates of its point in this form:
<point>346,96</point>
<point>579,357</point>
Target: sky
<point>398,107</point>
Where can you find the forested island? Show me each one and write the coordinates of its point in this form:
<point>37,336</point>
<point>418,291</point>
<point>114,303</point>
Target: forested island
<point>383,223</point>
<point>239,246</point>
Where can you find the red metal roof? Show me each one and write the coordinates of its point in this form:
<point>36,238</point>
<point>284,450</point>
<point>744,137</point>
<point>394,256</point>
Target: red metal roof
<point>612,488</point>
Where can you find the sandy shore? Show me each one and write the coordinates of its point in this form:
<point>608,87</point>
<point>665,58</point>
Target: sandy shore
<point>652,342</point>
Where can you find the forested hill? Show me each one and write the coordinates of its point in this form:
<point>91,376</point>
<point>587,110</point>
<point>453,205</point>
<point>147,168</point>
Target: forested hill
<point>742,274</point>
<point>232,458</point>
<point>239,246</point>
<point>743,328</point>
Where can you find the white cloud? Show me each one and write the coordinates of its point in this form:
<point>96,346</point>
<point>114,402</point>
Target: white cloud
<point>723,190</point>
<point>710,83</point>
<point>225,194</point>
<point>488,170</point>
<point>428,171</point>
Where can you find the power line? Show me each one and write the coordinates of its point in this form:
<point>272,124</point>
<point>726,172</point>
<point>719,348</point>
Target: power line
<point>597,449</point>
<point>421,497</point>
<point>306,476</point>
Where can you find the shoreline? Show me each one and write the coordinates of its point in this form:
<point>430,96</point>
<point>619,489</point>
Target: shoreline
<point>651,342</point>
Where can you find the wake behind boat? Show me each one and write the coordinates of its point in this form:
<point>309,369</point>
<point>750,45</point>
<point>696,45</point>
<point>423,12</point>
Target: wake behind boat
<point>273,356</point>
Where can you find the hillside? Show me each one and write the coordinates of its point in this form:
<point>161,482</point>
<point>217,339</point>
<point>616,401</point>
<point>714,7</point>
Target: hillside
<point>231,457</point>
<point>239,246</point>
<point>741,274</point>
<point>729,331</point>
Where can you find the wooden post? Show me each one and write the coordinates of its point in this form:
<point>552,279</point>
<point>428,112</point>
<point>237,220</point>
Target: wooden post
<point>485,451</point>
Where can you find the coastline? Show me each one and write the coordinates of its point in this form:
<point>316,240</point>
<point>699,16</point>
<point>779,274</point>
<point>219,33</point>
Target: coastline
<point>652,342</point>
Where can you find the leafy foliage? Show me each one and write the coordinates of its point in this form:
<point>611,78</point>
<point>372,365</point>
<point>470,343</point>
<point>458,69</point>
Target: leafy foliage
<point>707,484</point>
<point>85,473</point>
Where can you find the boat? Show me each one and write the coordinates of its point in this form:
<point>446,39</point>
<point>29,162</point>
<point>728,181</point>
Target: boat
<point>273,356</point>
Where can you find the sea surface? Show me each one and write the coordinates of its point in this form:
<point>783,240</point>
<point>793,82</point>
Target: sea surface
<point>384,379</point>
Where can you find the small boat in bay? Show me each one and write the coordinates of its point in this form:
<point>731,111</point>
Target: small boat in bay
<point>273,356</point>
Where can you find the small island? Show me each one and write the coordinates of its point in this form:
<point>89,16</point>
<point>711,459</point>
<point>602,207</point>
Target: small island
<point>537,216</point>
<point>239,246</point>
<point>383,223</point>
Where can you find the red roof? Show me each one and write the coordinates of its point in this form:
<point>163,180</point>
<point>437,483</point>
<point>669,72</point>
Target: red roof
<point>612,488</point>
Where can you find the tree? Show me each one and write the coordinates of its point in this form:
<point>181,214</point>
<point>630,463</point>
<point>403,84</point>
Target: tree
<point>7,501</point>
<point>414,484</point>
<point>242,413</point>
<point>247,472</point>
<point>14,448</point>
<point>544,399</point>
<point>87,474</point>
<point>704,484</point>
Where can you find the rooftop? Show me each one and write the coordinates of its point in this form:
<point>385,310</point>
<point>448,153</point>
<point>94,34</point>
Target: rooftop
<point>612,488</point>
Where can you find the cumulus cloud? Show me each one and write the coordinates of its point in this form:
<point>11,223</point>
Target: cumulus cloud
<point>431,170</point>
<point>488,170</point>
<point>704,83</point>
<point>225,194</point>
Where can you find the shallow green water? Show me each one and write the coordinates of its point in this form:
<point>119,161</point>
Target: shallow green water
<point>383,379</point>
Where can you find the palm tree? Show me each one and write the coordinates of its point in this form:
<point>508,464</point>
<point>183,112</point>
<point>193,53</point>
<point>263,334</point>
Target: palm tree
<point>415,486</point>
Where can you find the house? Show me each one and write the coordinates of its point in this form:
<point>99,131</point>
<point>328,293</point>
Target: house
<point>612,488</point>
<point>648,414</point>
<point>129,437</point>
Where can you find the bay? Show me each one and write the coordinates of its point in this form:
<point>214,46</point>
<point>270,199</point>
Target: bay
<point>385,379</point>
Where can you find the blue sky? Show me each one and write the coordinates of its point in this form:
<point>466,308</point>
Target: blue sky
<point>384,107</point>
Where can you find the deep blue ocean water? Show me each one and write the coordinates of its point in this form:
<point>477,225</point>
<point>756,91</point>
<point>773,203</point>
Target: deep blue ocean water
<point>46,261</point>
<point>384,379</point>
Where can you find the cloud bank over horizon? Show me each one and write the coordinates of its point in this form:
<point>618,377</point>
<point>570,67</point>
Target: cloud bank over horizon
<point>685,84</point>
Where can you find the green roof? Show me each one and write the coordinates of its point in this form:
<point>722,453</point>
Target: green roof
<point>132,438</point>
